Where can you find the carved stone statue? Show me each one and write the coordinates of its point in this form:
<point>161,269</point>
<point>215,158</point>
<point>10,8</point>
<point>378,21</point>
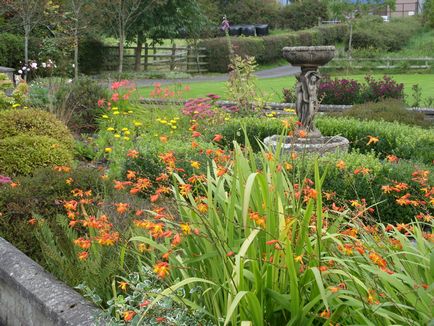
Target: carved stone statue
<point>307,98</point>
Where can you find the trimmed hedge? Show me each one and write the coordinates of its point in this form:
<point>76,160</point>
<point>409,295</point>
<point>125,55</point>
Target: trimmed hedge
<point>268,49</point>
<point>406,142</point>
<point>34,122</point>
<point>24,153</point>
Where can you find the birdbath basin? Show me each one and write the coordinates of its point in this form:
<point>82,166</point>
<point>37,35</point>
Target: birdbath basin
<point>309,56</point>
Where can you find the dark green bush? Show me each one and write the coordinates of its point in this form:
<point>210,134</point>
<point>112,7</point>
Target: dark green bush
<point>33,122</point>
<point>407,142</point>
<point>252,12</point>
<point>91,56</point>
<point>372,32</point>
<point>388,110</point>
<point>350,186</point>
<point>25,153</point>
<point>81,99</point>
<point>304,14</point>
<point>11,50</point>
<point>39,194</point>
<point>267,49</point>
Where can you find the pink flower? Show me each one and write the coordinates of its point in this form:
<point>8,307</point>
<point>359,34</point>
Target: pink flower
<point>101,103</point>
<point>115,97</point>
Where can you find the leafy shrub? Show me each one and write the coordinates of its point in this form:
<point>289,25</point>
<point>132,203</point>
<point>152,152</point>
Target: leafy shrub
<point>11,50</point>
<point>407,142</point>
<point>428,13</point>
<point>372,32</point>
<point>267,49</point>
<point>91,56</point>
<point>305,14</point>
<point>252,12</point>
<point>340,91</point>
<point>388,110</point>
<point>24,153</point>
<point>39,194</point>
<point>33,122</point>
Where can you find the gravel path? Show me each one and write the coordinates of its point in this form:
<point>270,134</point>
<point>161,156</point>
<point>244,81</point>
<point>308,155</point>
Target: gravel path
<point>263,74</point>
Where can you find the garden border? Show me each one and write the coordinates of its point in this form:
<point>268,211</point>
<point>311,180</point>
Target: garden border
<point>271,106</point>
<point>30,296</point>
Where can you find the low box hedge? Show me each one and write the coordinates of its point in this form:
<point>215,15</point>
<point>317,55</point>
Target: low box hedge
<point>268,49</point>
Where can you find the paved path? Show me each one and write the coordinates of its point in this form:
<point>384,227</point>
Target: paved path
<point>263,74</point>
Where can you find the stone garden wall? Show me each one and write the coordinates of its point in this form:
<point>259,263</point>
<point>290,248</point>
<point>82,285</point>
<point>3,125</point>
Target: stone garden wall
<point>29,296</point>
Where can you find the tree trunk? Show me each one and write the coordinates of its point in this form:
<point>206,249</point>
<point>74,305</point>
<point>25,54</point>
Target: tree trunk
<point>26,49</point>
<point>350,41</point>
<point>139,51</point>
<point>76,53</point>
<point>121,47</point>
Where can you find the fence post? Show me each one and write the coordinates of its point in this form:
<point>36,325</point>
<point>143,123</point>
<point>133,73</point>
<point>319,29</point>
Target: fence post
<point>145,63</point>
<point>172,57</point>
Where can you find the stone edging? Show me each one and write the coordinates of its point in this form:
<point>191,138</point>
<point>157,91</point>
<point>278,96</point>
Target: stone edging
<point>279,106</point>
<point>32,297</point>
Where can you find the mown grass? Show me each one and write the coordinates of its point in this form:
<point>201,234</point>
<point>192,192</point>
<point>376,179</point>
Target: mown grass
<point>271,88</point>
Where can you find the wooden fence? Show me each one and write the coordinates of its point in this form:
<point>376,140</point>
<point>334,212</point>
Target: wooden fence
<point>380,63</point>
<point>158,58</point>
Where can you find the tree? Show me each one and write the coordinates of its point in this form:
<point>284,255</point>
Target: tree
<point>347,10</point>
<point>121,15</point>
<point>30,14</point>
<point>76,14</point>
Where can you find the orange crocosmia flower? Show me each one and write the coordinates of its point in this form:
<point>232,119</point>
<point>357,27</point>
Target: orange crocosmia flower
<point>176,240</point>
<point>131,175</point>
<point>154,198</point>
<point>194,144</point>
<point>293,155</point>
<point>32,221</point>
<point>163,139</point>
<point>14,184</point>
<point>269,156</point>
<point>108,239</point>
<point>121,207</point>
<point>161,269</point>
<point>302,133</point>
<point>62,168</point>
<point>402,201</point>
<point>82,243</point>
<point>69,181</point>
<point>217,138</point>
<point>325,314</point>
<point>123,285</point>
<point>202,208</point>
<point>377,259</point>
<point>355,203</point>
<point>323,268</point>
<point>298,259</point>
<point>83,255</point>
<point>185,189</point>
<point>372,297</point>
<point>133,153</point>
<point>271,242</point>
<point>341,165</point>
<point>162,177</point>
<point>221,171</point>
<point>196,134</point>
<point>128,315</point>
<point>230,254</point>
<point>334,289</point>
<point>195,164</point>
<point>392,158</point>
<point>372,140</point>
<point>143,183</point>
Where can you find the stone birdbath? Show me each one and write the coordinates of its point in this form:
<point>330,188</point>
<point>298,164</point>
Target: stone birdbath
<point>307,138</point>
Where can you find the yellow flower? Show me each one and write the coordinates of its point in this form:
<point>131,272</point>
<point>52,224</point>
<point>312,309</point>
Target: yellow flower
<point>108,149</point>
<point>137,123</point>
<point>117,136</point>
<point>110,129</point>
<point>116,113</point>
<point>126,138</point>
<point>174,127</point>
<point>16,105</point>
<point>195,164</point>
<point>115,108</point>
<point>124,129</point>
<point>127,132</point>
<point>105,116</point>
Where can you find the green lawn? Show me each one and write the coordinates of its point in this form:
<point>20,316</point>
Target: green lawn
<point>272,88</point>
